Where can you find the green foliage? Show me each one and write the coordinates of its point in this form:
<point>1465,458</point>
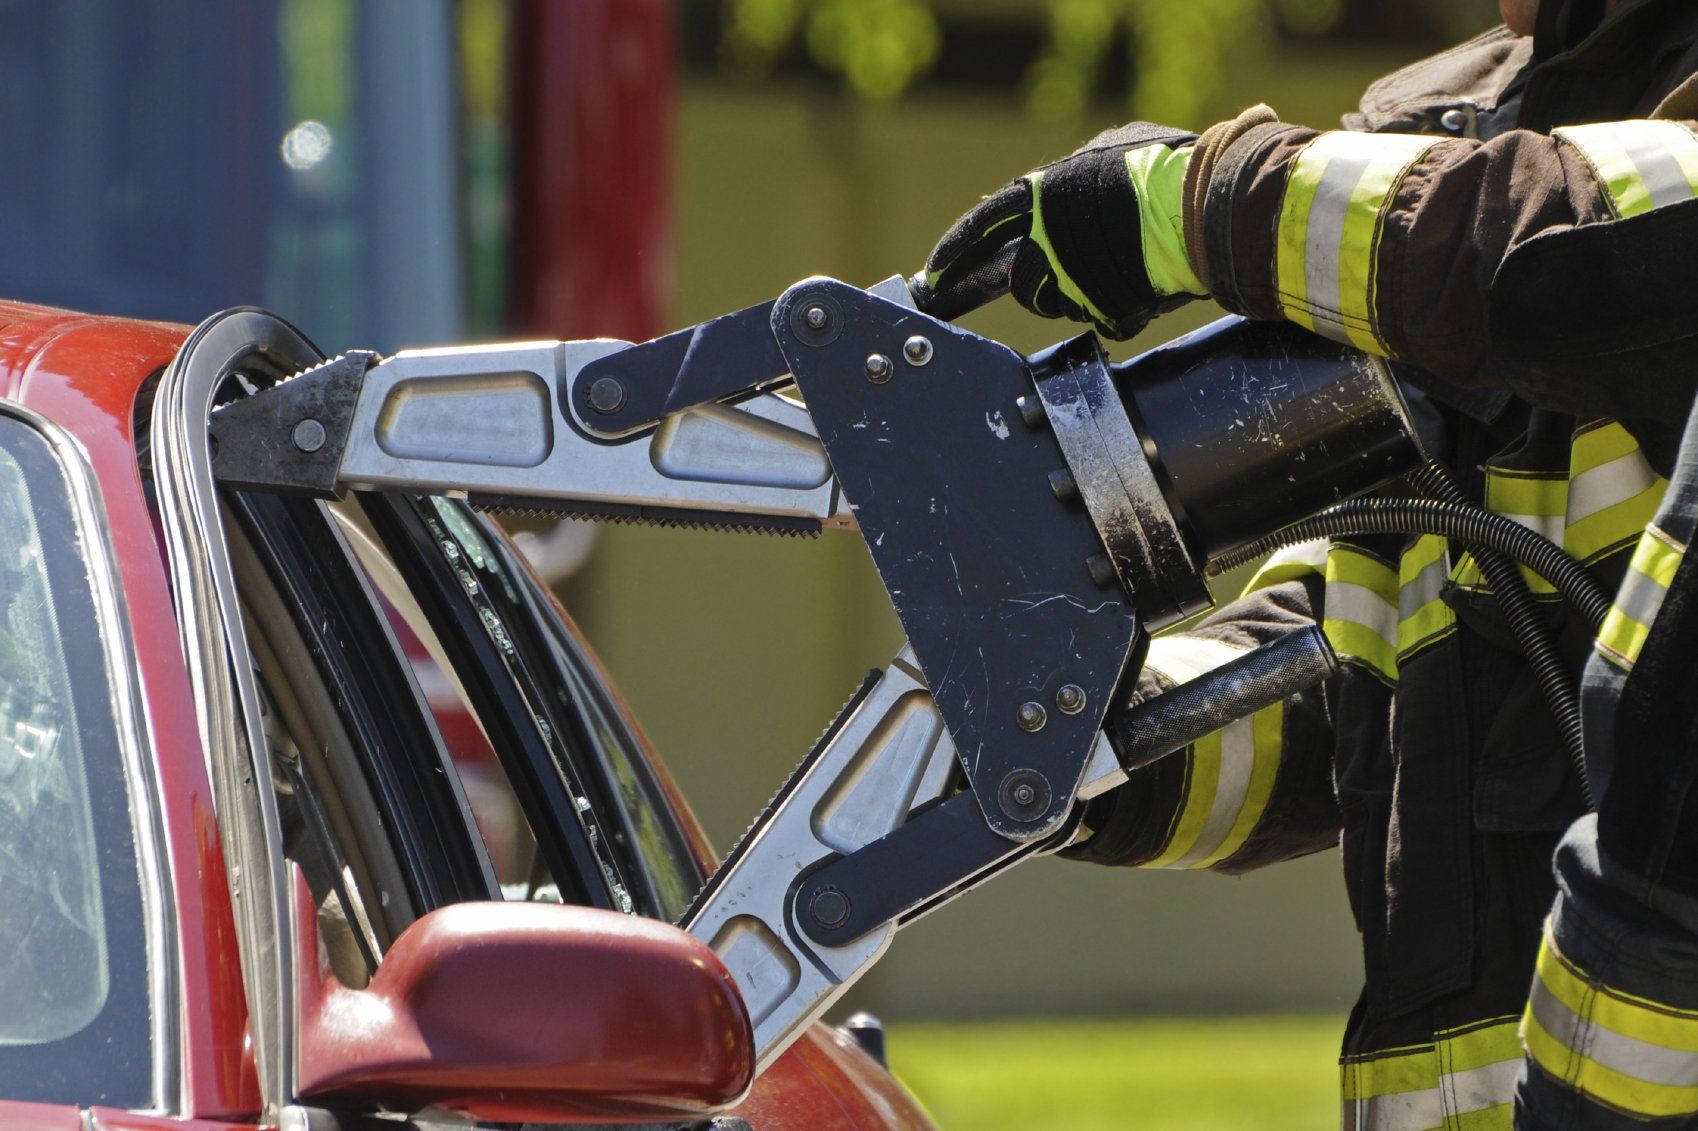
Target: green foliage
<point>1180,52</point>
<point>1274,1073</point>
<point>878,46</point>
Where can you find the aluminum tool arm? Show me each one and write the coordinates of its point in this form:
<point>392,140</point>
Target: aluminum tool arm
<point>1032,521</point>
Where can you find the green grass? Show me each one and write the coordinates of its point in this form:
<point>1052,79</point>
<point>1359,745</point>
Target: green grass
<point>1216,1074</point>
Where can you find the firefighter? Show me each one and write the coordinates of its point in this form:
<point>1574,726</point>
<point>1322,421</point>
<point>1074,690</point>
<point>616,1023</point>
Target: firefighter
<point>1513,222</point>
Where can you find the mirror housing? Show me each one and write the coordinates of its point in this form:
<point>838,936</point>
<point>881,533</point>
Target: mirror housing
<point>529,1012</point>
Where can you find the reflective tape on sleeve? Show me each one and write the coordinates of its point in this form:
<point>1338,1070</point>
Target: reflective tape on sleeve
<point>1464,1079</point>
<point>1649,574</point>
<point>1625,1052</point>
<point>1612,490</point>
<point>1640,165</point>
<point>1422,613</point>
<point>1231,776</point>
<point>1361,610</point>
<point>1330,225</point>
<point>1600,507</point>
<point>1305,559</point>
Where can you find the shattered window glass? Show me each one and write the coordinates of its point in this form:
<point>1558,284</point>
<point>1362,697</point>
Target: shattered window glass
<point>54,979</point>
<point>75,998</point>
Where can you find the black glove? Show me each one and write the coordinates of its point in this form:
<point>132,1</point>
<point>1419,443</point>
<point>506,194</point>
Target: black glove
<point>1102,241</point>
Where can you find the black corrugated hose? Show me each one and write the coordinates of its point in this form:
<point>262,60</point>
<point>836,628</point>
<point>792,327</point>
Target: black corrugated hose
<point>1497,542</point>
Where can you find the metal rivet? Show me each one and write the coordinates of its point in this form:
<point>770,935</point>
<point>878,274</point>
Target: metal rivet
<point>1455,120</point>
<point>829,907</point>
<point>1061,482</point>
<point>1031,716</point>
<point>817,317</point>
<point>1031,411</point>
<point>879,369</point>
<point>1102,570</point>
<point>308,435</point>
<point>918,350</point>
<point>1070,699</point>
<point>607,395</point>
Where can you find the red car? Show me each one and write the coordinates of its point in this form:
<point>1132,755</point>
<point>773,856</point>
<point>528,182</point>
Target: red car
<point>243,878</point>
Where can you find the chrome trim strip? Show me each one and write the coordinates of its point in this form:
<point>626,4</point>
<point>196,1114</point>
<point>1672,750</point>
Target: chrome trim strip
<point>129,709</point>
<point>221,672</point>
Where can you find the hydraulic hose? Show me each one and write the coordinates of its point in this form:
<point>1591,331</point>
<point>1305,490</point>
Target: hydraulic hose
<point>1532,631</point>
<point>1466,524</point>
<point>1496,542</point>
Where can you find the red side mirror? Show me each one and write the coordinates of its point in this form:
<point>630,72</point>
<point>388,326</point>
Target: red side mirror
<point>532,1012</point>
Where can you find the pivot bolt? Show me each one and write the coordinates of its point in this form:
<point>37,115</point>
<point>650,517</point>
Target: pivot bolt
<point>918,350</point>
<point>1024,796</point>
<point>1031,716</point>
<point>308,436</point>
<point>879,368</point>
<point>607,395</point>
<point>829,907</point>
<point>816,317</point>
<point>1070,699</point>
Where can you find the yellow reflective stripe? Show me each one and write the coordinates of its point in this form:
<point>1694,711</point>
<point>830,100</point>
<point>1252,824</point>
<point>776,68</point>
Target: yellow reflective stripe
<point>1305,559</point>
<point>1421,574</point>
<point>1610,493</point>
<point>1158,180</point>
<point>1640,165</point>
<point>1330,222</point>
<point>1267,732</point>
<point>1229,780</point>
<point>1390,1074</point>
<point>1626,1052</point>
<point>1649,573</point>
<point>1463,1079</point>
<point>1485,1043</point>
<point>1361,615</point>
<point>1500,1117</point>
<point>1612,490</point>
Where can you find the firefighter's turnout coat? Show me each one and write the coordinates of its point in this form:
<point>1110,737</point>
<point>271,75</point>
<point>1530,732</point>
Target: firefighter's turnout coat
<point>1515,223</point>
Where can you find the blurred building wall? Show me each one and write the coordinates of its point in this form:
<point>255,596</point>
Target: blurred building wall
<point>737,650</point>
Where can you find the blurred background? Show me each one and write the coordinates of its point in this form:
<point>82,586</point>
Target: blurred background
<point>390,173</point>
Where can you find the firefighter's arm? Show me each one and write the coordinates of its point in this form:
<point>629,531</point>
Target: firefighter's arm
<point>1254,793</point>
<point>1550,265</point>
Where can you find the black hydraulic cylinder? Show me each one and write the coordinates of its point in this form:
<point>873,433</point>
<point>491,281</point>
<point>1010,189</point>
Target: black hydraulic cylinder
<point>1249,426</point>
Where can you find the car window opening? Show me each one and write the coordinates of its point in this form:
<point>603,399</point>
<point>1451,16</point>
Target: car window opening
<point>332,827</point>
<point>514,852</point>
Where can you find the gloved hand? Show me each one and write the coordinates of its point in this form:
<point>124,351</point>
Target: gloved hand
<point>1097,236</point>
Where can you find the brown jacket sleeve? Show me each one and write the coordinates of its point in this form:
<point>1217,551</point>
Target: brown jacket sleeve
<point>1552,265</point>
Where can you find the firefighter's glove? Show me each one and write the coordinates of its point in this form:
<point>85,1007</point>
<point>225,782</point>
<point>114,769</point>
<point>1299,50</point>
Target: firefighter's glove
<point>1096,237</point>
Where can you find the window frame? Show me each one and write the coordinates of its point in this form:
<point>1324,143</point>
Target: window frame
<point>138,781</point>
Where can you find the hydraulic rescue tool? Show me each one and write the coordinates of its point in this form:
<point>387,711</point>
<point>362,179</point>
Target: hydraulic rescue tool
<point>1033,520</point>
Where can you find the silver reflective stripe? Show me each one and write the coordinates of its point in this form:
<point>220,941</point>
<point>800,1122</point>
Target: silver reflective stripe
<point>1664,179</point>
<point>1640,597</point>
<point>1182,658</point>
<point>1424,587</point>
<point>1324,242</point>
<point>1474,1090</point>
<point>1550,525</point>
<point>1618,1052</point>
<point>1346,600</point>
<point>1607,484</point>
<point>1237,762</point>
